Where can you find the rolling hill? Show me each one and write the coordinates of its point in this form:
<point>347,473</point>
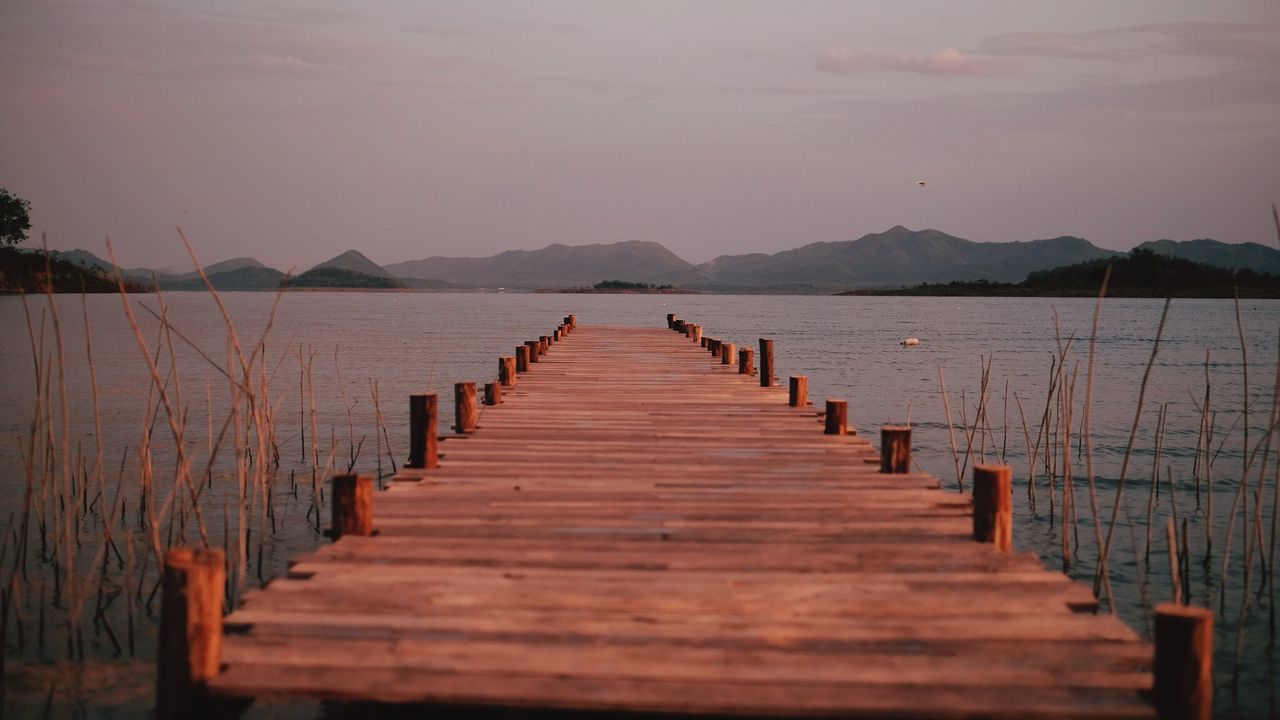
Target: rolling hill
<point>240,277</point>
<point>558,266</point>
<point>351,269</point>
<point>896,257</point>
<point>1232,256</point>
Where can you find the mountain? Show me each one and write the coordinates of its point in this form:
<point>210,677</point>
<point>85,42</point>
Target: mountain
<point>31,272</point>
<point>351,269</point>
<point>86,259</point>
<point>232,264</point>
<point>896,257</point>
<point>239,277</point>
<point>353,261</point>
<point>1232,256</point>
<point>559,265</point>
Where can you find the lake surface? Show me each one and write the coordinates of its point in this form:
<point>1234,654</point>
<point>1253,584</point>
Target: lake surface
<point>424,342</point>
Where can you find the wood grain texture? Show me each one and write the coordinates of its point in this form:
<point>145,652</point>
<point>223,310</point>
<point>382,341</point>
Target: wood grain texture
<point>642,528</point>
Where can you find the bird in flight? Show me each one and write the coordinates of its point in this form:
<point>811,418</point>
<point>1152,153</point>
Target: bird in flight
<point>921,183</point>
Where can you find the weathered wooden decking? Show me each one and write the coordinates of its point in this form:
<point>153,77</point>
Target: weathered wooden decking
<point>640,528</point>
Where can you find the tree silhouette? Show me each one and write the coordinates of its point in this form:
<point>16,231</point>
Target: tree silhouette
<point>15,218</point>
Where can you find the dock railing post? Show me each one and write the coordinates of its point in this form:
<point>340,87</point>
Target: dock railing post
<point>464,407</point>
<point>1183,666</point>
<point>671,321</point>
<point>532,350</point>
<point>507,370</point>
<point>522,359</point>
<point>766,363</point>
<point>745,365</point>
<point>895,449</point>
<point>493,393</point>
<point>728,354</point>
<point>798,391</point>
<point>697,333</point>
<point>572,321</point>
<point>837,417</point>
<point>190,643</point>
<point>993,505</point>
<point>352,505</point>
<point>423,441</point>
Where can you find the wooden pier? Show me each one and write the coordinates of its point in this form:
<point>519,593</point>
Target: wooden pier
<point>645,524</point>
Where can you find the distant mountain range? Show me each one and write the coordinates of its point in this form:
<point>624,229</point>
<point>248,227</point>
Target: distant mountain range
<point>558,266</point>
<point>897,257</point>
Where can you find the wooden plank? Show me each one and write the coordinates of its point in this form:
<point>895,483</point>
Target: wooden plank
<point>783,631</point>
<point>408,684</point>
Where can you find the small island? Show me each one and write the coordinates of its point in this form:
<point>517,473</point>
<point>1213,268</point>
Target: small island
<point>624,287</point>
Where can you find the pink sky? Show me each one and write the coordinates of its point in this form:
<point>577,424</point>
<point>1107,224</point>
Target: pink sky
<point>293,131</point>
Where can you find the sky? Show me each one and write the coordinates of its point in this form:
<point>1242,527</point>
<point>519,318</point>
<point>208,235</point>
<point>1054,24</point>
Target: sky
<point>293,131</point>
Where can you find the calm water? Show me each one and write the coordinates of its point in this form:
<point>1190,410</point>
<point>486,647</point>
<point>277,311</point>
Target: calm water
<point>848,347</point>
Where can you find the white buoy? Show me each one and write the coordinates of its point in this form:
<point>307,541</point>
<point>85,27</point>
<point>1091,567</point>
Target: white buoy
<point>910,342</point>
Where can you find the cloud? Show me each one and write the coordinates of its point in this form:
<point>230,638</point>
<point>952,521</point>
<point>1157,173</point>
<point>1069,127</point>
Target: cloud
<point>1080,46</point>
<point>1254,43</point>
<point>843,61</point>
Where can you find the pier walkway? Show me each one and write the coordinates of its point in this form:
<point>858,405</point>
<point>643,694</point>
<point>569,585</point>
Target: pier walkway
<point>641,528</point>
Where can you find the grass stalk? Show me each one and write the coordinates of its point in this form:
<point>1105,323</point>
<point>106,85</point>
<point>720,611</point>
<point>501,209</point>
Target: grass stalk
<point>1105,546</point>
<point>1086,436</point>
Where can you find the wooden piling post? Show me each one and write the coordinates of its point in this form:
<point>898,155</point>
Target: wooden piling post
<point>745,365</point>
<point>697,333</point>
<point>895,449</point>
<point>555,335</point>
<point>423,442</point>
<point>532,346</point>
<point>766,363</point>
<point>728,354</point>
<point>190,643</point>
<point>993,505</point>
<point>837,417</point>
<point>352,505</point>
<point>799,391</point>
<point>703,341</point>
<point>543,344</point>
<point>493,393</point>
<point>507,370</point>
<point>713,347</point>
<point>572,321</point>
<point>1183,665</point>
<point>522,359</point>
<point>464,407</point>
<point>671,321</point>
<point>680,326</point>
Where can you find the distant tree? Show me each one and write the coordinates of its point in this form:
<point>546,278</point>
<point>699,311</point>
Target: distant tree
<point>15,218</point>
